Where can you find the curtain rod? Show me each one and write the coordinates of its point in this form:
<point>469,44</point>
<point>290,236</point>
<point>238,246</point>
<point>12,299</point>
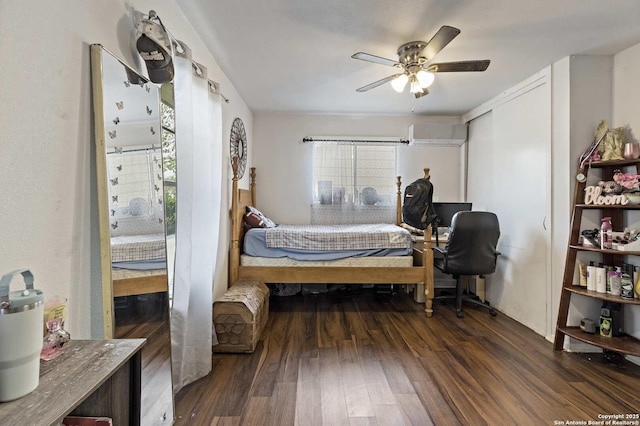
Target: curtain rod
<point>353,139</point>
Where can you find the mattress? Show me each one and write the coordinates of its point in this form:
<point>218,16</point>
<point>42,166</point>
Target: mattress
<point>386,261</point>
<point>128,248</point>
<point>256,243</point>
<point>122,274</point>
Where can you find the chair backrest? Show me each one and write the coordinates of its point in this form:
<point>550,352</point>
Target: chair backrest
<point>471,247</point>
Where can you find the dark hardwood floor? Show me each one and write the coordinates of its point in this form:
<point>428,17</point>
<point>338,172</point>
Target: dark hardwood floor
<point>356,359</point>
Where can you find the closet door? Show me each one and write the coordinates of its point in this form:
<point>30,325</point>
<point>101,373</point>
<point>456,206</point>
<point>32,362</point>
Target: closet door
<point>509,174</point>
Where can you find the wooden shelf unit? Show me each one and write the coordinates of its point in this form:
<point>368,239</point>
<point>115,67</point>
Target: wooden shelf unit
<point>623,344</point>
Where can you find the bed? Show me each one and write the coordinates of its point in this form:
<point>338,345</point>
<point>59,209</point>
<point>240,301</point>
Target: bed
<point>391,268</point>
<point>138,254</point>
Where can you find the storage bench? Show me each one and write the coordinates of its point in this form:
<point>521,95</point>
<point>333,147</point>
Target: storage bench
<point>240,315</point>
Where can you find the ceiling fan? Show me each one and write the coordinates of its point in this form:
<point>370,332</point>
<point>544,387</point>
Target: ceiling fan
<point>413,58</point>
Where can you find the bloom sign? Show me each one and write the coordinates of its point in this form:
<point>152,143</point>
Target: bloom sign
<point>593,195</point>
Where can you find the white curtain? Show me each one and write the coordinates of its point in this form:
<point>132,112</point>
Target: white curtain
<point>199,184</point>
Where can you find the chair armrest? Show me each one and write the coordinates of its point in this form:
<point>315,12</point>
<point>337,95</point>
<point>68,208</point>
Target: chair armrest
<point>498,253</point>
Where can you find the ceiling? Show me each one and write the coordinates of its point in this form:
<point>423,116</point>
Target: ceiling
<point>295,55</point>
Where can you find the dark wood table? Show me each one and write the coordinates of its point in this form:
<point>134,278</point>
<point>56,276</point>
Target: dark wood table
<point>91,378</point>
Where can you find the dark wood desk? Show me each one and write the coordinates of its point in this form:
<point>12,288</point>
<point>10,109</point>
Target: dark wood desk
<point>91,378</point>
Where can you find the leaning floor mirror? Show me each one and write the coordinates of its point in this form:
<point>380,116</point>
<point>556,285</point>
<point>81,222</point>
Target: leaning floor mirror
<point>135,167</point>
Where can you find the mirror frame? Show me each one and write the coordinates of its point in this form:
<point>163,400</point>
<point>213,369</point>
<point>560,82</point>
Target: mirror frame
<point>97,78</point>
<point>103,147</point>
<point>101,91</point>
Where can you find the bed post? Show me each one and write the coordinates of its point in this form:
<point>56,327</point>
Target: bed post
<point>398,201</point>
<point>428,265</point>
<point>234,253</point>
<point>252,186</point>
<point>427,262</point>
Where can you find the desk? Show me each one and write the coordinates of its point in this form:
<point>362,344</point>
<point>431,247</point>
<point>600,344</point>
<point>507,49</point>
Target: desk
<point>91,378</point>
<point>439,278</point>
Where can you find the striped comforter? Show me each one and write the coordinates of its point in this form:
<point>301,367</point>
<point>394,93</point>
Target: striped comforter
<point>339,237</point>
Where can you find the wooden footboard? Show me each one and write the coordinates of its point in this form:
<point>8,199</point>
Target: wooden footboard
<point>422,274</point>
<point>129,282</point>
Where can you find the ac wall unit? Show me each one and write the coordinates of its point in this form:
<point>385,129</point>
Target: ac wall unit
<point>437,134</point>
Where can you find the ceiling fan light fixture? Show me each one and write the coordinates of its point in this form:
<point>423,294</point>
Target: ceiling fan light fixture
<point>425,78</point>
<point>399,82</point>
<point>415,66</point>
<point>415,85</point>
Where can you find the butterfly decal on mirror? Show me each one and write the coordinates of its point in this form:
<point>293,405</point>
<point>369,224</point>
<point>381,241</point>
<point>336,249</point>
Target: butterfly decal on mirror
<point>126,83</point>
<point>114,198</point>
<point>159,176</point>
<point>157,188</point>
<point>116,120</point>
<point>119,167</point>
<point>113,212</point>
<point>159,220</point>
<point>120,104</point>
<point>149,110</point>
<point>160,201</point>
<point>114,181</point>
<point>112,134</point>
<point>147,88</point>
<point>153,132</point>
<point>117,150</point>
<point>114,225</point>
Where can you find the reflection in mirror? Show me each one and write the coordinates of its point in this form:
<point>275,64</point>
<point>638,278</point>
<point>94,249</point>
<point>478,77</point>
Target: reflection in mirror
<point>168,133</point>
<point>130,142</point>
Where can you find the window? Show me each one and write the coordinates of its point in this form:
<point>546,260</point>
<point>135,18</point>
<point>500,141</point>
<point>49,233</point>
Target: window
<point>168,122</point>
<point>354,174</point>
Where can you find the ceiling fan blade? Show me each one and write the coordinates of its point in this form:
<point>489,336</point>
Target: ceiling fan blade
<point>375,59</point>
<point>377,83</point>
<point>459,66</point>
<point>424,92</point>
<point>444,35</point>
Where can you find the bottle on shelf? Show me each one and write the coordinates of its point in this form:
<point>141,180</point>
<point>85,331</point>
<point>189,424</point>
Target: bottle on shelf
<point>610,272</point>
<point>601,278</point>
<point>582,270</point>
<point>591,276</point>
<point>626,282</point>
<point>616,282</point>
<point>606,234</point>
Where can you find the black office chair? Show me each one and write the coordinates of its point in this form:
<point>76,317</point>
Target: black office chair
<point>470,250</point>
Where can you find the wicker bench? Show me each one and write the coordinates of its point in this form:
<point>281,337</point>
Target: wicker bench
<point>240,315</point>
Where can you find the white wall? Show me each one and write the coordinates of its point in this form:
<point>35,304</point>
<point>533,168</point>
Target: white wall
<point>590,100</point>
<point>49,208</point>
<point>626,96</point>
<point>509,173</point>
<point>283,163</point>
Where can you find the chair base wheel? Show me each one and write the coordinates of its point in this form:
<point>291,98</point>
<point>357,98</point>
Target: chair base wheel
<point>492,312</point>
<point>459,314</point>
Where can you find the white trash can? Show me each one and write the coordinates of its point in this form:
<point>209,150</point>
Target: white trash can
<point>21,324</point>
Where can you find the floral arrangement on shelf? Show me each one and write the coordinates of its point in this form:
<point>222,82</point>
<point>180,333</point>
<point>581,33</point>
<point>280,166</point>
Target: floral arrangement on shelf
<point>628,181</point>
